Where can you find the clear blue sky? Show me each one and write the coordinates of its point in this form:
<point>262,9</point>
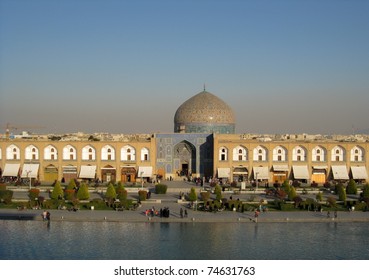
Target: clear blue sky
<point>126,66</point>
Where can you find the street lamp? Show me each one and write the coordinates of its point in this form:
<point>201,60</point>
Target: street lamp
<point>29,177</point>
<point>142,182</point>
<point>256,178</point>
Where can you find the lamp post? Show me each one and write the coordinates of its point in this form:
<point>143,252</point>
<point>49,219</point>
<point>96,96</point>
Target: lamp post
<point>29,177</point>
<point>142,182</point>
<point>256,179</point>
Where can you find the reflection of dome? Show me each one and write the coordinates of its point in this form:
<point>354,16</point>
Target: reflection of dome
<point>204,113</point>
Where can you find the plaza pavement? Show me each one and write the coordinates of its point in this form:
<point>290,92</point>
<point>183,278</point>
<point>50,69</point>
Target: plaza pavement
<point>171,201</point>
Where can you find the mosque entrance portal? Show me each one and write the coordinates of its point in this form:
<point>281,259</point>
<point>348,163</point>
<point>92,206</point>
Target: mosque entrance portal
<point>185,156</point>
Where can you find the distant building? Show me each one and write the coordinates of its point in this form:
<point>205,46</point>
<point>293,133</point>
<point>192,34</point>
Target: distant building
<point>204,144</point>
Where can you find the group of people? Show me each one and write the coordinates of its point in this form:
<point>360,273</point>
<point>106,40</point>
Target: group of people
<point>162,213</point>
<point>183,213</point>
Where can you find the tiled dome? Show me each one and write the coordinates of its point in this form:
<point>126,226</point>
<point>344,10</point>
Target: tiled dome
<point>204,113</point>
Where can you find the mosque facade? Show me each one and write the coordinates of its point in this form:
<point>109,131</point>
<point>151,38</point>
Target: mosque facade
<point>204,144</point>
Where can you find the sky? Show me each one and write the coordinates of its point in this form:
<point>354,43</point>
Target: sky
<point>285,66</point>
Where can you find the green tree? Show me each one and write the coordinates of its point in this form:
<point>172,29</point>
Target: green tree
<point>341,193</point>
<point>292,193</point>
<point>71,185</point>
<point>286,187</point>
<point>366,191</point>
<point>110,192</point>
<point>218,192</point>
<point>121,192</point>
<point>351,187</point>
<point>83,193</point>
<point>192,196</point>
<point>57,192</point>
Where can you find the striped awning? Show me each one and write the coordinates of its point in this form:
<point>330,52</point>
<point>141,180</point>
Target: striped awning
<point>11,169</point>
<point>87,172</point>
<point>30,170</point>
<point>145,171</point>
<point>300,172</point>
<point>340,172</point>
<point>359,173</point>
<point>280,168</point>
<point>224,172</point>
<point>261,173</point>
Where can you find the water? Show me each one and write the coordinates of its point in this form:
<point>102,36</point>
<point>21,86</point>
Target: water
<point>36,240</point>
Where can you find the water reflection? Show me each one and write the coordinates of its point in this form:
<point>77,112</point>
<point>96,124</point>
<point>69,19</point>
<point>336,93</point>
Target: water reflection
<point>107,240</point>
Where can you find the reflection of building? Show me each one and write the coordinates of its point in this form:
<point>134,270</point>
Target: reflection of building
<point>204,145</point>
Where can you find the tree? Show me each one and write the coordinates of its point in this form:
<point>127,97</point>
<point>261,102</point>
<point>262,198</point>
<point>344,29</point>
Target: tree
<point>192,196</point>
<point>286,186</point>
<point>72,185</point>
<point>351,187</point>
<point>83,193</point>
<point>110,192</point>
<point>366,191</point>
<point>292,193</point>
<point>57,192</point>
<point>319,196</point>
<point>218,192</point>
<point>341,193</point>
<point>121,192</point>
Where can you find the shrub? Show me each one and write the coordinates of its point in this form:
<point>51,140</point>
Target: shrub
<point>57,192</point>
<point>110,192</point>
<point>365,193</point>
<point>83,193</point>
<point>331,201</point>
<point>351,187</point>
<point>69,194</point>
<point>218,192</point>
<point>72,185</point>
<point>205,196</point>
<point>341,193</point>
<point>142,195</point>
<point>121,192</point>
<point>33,194</point>
<point>192,196</point>
<point>161,188</point>
<point>319,196</point>
<point>292,193</point>
<point>6,196</point>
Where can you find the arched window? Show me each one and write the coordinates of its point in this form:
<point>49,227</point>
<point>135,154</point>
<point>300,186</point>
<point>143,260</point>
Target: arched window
<point>69,153</point>
<point>260,154</point>
<point>279,154</point>
<point>88,153</point>
<point>223,154</point>
<point>50,153</point>
<point>318,154</point>
<point>240,154</point>
<point>107,153</point>
<point>12,153</point>
<point>338,154</point>
<point>31,153</point>
<point>145,154</point>
<point>357,154</point>
<point>299,153</point>
<point>128,153</point>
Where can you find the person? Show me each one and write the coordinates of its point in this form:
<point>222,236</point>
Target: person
<point>181,212</point>
<point>48,215</point>
<point>185,213</point>
<point>44,215</point>
<point>328,214</point>
<point>335,214</point>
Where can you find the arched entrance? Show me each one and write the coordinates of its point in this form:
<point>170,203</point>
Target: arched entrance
<point>108,173</point>
<point>184,159</point>
<point>51,173</point>
<point>128,174</point>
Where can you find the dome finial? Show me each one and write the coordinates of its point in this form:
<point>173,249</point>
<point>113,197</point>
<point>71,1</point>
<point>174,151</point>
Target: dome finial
<point>204,87</point>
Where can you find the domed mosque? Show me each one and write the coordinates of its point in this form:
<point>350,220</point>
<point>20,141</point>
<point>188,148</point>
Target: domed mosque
<point>204,113</point>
